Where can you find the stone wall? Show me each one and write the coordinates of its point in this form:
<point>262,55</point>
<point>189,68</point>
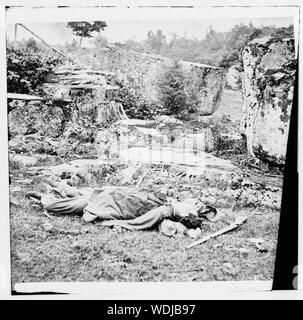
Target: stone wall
<point>78,101</point>
<point>268,84</point>
<point>143,72</point>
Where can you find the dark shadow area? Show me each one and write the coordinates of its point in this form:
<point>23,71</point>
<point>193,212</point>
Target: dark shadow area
<point>287,248</point>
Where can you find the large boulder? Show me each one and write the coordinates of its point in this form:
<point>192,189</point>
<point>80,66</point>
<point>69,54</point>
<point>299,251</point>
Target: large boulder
<point>268,84</point>
<point>142,71</point>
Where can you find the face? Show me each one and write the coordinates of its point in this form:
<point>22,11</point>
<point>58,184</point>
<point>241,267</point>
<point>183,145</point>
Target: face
<point>189,206</point>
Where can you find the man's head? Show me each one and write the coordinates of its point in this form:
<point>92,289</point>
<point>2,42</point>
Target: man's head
<point>191,207</point>
<point>187,207</point>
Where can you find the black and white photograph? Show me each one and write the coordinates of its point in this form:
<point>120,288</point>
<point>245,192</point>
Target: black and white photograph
<point>147,144</point>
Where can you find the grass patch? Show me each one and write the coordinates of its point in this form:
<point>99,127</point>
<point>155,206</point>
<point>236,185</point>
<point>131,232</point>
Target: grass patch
<point>74,251</point>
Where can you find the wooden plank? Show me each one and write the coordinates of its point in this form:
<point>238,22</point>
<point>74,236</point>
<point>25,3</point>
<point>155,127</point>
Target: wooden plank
<point>21,96</point>
<point>27,97</point>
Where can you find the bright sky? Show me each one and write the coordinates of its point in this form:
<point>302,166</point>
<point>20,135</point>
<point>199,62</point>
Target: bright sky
<point>126,24</point>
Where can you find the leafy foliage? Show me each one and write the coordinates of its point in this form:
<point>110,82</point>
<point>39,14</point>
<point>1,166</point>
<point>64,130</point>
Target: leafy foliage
<point>85,29</point>
<point>154,42</point>
<point>217,48</point>
<point>135,105</point>
<point>172,94</point>
<point>133,45</point>
<point>28,69</point>
<point>100,41</point>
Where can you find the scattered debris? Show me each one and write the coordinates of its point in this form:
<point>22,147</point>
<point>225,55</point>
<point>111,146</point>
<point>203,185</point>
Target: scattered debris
<point>257,243</point>
<point>141,179</point>
<point>15,189</point>
<point>127,175</point>
<point>46,214</point>
<point>14,201</point>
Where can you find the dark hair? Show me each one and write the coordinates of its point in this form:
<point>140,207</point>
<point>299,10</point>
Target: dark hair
<point>204,211</point>
<point>191,221</point>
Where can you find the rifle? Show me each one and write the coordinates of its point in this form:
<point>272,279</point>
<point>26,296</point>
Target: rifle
<point>239,221</point>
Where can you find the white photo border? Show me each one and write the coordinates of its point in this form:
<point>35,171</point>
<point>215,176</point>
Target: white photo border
<point>136,291</point>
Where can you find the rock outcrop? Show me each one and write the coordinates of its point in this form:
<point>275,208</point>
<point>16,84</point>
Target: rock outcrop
<point>233,78</point>
<point>268,84</point>
<point>77,100</point>
<point>89,90</point>
<point>142,71</point>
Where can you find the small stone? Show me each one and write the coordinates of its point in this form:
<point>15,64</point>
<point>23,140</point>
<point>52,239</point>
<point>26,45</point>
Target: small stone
<point>24,256</point>
<point>256,240</point>
<point>192,233</point>
<point>15,189</point>
<point>47,226</point>
<point>244,250</point>
<point>14,202</point>
<point>198,232</point>
<point>230,248</point>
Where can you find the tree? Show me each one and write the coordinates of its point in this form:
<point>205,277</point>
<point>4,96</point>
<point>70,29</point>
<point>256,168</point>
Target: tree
<point>100,42</point>
<point>85,29</point>
<point>172,93</point>
<point>133,45</point>
<point>155,42</point>
<point>31,44</point>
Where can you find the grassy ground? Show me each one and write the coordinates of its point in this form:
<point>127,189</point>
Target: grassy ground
<point>64,248</point>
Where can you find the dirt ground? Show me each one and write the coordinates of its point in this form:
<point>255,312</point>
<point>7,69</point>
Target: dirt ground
<point>64,248</point>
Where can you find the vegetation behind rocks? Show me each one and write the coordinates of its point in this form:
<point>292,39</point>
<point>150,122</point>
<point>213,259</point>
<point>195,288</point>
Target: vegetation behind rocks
<point>28,68</point>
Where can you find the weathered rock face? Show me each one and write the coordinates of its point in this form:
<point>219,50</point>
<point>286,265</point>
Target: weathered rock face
<point>268,85</point>
<point>78,101</point>
<point>233,78</point>
<point>35,116</point>
<point>142,71</point>
<point>89,90</point>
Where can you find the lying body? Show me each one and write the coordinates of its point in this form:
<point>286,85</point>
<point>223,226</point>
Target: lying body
<point>126,207</point>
